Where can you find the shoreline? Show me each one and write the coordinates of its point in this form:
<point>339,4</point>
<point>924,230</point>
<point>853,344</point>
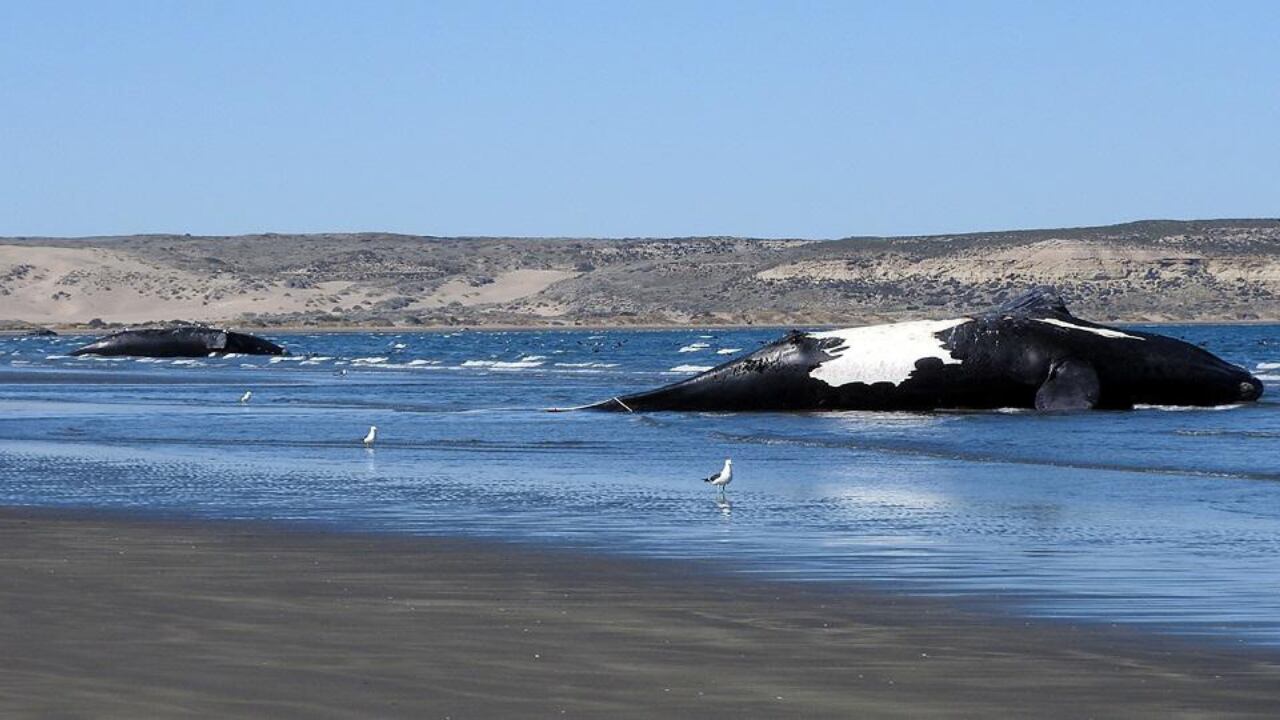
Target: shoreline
<point>217,617</point>
<point>78,330</point>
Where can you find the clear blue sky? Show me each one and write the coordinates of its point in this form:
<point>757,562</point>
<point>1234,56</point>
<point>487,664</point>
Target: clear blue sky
<point>619,119</point>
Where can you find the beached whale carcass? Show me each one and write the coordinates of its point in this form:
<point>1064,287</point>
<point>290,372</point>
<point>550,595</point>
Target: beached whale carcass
<point>1029,353</point>
<point>180,341</point>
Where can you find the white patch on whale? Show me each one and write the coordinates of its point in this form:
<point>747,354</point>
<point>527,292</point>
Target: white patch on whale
<point>883,353</point>
<point>1104,332</point>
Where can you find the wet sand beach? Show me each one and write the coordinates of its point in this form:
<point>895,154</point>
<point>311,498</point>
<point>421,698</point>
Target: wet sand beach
<point>105,615</point>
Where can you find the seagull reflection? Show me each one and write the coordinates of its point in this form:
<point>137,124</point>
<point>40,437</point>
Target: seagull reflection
<point>724,505</point>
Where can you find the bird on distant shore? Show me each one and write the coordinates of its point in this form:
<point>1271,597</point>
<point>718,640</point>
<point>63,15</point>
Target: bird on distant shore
<point>373,435</point>
<point>722,478</point>
<point>245,397</point>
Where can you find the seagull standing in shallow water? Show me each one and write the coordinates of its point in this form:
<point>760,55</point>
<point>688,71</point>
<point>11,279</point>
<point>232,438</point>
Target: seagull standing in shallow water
<point>722,478</point>
<point>373,435</point>
<point>245,397</point>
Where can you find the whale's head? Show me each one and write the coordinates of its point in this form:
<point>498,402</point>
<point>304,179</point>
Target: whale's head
<point>1218,382</point>
<point>1250,389</point>
<point>1189,375</point>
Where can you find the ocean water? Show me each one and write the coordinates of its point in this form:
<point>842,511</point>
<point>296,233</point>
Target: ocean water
<point>1166,518</point>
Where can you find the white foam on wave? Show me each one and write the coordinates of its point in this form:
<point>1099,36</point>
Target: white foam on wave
<point>398,346</point>
<point>1269,366</point>
<point>690,368</point>
<point>587,365</point>
<point>728,351</point>
<point>531,361</point>
<point>694,347</point>
<point>365,360</point>
<point>1187,408</point>
<point>1268,378</point>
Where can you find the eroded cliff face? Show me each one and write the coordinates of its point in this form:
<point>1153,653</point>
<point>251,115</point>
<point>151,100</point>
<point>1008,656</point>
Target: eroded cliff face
<point>1159,270</point>
<point>1105,279</point>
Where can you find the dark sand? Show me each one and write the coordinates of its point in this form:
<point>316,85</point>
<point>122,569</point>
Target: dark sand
<point>106,616</point>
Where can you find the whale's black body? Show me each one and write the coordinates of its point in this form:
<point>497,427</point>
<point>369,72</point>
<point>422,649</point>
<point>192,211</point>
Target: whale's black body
<point>182,341</point>
<point>1031,353</point>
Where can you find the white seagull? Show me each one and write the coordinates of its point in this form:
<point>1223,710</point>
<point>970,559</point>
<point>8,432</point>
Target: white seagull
<point>722,478</point>
<point>373,435</point>
<point>245,397</point>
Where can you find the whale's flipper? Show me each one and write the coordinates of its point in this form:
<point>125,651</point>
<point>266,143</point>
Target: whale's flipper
<point>1036,302</point>
<point>1072,385</point>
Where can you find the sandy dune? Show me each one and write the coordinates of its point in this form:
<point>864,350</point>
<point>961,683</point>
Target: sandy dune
<point>504,288</point>
<point>75,285</point>
<point>61,285</point>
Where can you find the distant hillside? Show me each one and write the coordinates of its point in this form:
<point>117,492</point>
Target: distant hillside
<point>1152,270</point>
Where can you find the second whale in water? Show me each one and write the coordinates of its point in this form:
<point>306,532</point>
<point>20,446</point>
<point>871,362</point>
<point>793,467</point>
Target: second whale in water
<point>179,341</point>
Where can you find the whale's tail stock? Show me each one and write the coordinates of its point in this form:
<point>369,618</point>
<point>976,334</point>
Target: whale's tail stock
<point>735,384</point>
<point>614,403</point>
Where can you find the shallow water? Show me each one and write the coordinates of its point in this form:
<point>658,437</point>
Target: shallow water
<point>1168,518</point>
